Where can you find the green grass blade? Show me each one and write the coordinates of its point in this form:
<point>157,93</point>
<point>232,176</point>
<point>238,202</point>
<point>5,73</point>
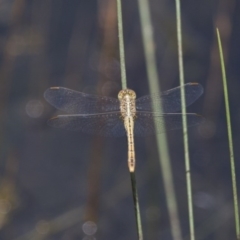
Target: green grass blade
<point>230,141</point>
<point>121,45</point>
<point>136,205</point>
<point>185,132</point>
<point>124,86</point>
<point>148,42</point>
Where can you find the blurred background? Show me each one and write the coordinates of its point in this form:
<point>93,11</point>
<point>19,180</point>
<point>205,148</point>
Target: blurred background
<point>56,184</point>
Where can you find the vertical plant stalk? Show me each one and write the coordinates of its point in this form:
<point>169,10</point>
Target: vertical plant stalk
<point>136,206</point>
<point>124,86</point>
<point>184,118</point>
<point>148,43</point>
<point>121,45</point>
<point>230,141</point>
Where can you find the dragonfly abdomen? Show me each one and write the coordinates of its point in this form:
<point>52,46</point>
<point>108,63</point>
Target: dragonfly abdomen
<point>129,126</point>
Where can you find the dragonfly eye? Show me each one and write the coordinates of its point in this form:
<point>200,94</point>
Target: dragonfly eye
<point>125,92</point>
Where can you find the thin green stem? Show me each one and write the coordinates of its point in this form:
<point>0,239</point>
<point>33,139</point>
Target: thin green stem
<point>136,206</point>
<point>230,141</point>
<point>121,45</point>
<point>148,42</point>
<point>124,86</point>
<point>185,134</point>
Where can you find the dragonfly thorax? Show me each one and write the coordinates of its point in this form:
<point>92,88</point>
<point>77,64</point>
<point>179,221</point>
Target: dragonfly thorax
<point>127,99</point>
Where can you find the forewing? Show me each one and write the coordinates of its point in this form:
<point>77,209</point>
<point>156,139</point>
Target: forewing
<point>171,99</point>
<point>75,102</point>
<point>144,123</point>
<point>108,124</point>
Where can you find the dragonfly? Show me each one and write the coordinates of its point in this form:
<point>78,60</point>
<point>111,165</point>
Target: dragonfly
<point>123,116</point>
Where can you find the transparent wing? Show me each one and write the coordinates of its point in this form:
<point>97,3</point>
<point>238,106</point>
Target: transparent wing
<point>109,124</point>
<point>144,123</point>
<point>77,102</point>
<point>171,99</point>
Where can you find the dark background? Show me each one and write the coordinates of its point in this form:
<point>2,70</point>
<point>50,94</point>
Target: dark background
<point>53,182</point>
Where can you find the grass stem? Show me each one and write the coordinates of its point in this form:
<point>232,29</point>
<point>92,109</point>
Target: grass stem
<point>184,118</point>
<point>149,50</point>
<point>124,86</point>
<point>136,205</point>
<point>230,141</point>
<point>121,45</point>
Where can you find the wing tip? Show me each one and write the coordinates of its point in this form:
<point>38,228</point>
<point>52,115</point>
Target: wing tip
<point>196,114</point>
<point>60,116</point>
<point>197,85</point>
<point>193,83</point>
<point>49,121</point>
<point>54,88</point>
<point>46,93</point>
<point>53,118</point>
<point>201,118</point>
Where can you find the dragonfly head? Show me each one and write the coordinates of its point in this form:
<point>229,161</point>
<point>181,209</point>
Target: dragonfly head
<point>126,92</point>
